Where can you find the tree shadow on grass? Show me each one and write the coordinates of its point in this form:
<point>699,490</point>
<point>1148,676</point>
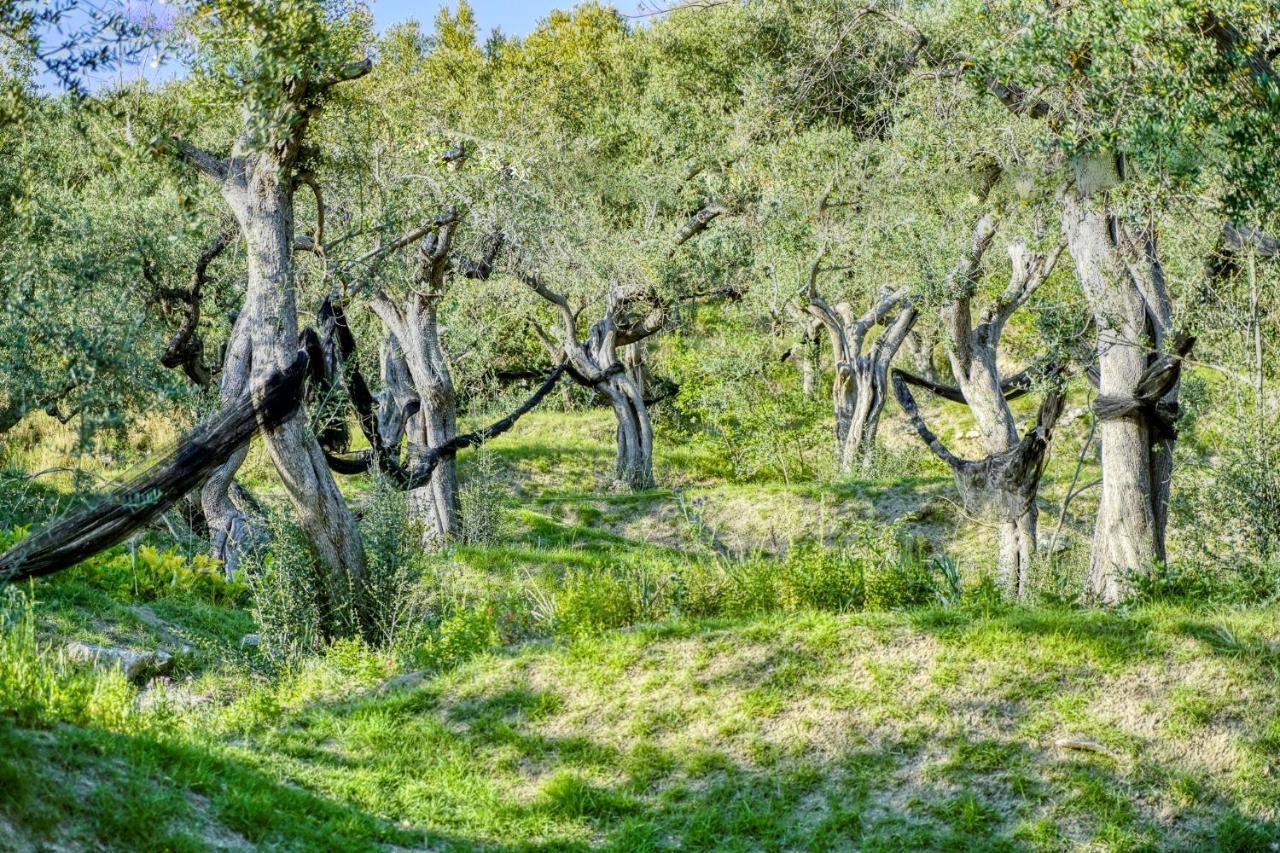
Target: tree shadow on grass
<point>563,786</point>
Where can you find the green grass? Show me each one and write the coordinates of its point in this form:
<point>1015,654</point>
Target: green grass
<point>731,735</point>
<point>645,691</point>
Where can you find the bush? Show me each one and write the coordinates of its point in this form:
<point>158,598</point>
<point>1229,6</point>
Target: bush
<point>458,638</point>
<point>479,507</point>
<point>145,573</point>
<point>395,603</point>
<point>1193,582</point>
<point>591,601</point>
<point>286,595</point>
<point>752,420</point>
<point>816,577</point>
<point>906,579</point>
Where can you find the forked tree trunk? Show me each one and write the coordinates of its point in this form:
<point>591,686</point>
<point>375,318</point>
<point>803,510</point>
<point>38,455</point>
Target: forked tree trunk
<point>413,324</point>
<point>257,183</point>
<point>973,353</point>
<point>862,379</point>
<point>1123,281</point>
<point>1005,483</point>
<point>596,364</point>
<point>859,401</point>
<point>414,350</point>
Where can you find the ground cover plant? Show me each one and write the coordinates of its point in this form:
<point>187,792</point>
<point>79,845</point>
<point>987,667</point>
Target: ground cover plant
<point>419,438</point>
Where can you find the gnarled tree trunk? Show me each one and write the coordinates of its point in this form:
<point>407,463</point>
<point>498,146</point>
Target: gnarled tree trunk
<point>862,378</point>
<point>257,182</point>
<point>1005,483</point>
<point>415,324</point>
<point>1123,280</point>
<point>596,363</point>
<point>415,347</point>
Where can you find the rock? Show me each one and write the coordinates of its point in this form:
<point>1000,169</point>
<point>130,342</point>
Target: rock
<point>162,691</point>
<point>403,682</point>
<point>1072,415</point>
<point>1061,545</point>
<point>973,433</point>
<point>148,617</point>
<point>137,665</point>
<point>251,641</point>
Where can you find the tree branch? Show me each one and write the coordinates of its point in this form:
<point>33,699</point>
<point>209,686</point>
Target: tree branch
<point>204,162</point>
<point>697,224</point>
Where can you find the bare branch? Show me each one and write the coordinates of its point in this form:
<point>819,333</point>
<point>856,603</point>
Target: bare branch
<point>697,224</point>
<point>876,315</point>
<point>1029,271</point>
<point>204,162</point>
<point>908,403</point>
<point>309,179</point>
<point>350,71</point>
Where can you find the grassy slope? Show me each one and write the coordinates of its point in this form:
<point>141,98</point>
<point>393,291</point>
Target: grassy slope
<point>929,729</point>
<point>885,731</point>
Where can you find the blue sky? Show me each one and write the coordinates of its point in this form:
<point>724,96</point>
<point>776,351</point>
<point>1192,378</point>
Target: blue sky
<point>513,17</point>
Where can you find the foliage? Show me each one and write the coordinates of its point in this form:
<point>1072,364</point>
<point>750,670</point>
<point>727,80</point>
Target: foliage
<point>38,686</point>
<point>394,603</point>
<point>815,577</point>
<point>458,638</point>
<point>145,573</point>
<point>480,510</point>
<point>285,588</point>
<point>745,408</point>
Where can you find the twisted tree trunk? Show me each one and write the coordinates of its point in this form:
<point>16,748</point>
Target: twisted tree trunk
<point>415,324</point>
<point>398,400</point>
<point>415,347</point>
<point>862,378</point>
<point>257,183</point>
<point>1123,280</point>
<point>1005,483</point>
<point>595,362</point>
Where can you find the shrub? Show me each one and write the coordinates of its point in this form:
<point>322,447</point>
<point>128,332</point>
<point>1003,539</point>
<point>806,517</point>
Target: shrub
<point>145,573</point>
<point>590,601</point>
<point>286,597</point>
<point>816,577</point>
<point>903,580</point>
<point>1194,582</point>
<point>395,602</point>
<point>479,506</point>
<point>458,638</point>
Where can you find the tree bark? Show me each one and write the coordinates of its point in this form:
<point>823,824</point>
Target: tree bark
<point>263,204</point>
<point>257,183</point>
<point>920,346</point>
<point>862,378</point>
<point>229,531</point>
<point>415,346</point>
<point>1123,282</point>
<point>1005,483</point>
<point>414,324</point>
<point>397,401</point>
<point>633,360</point>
